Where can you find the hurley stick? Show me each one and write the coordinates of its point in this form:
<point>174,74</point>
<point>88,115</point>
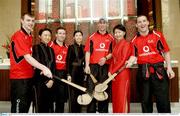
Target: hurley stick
<point>103,86</point>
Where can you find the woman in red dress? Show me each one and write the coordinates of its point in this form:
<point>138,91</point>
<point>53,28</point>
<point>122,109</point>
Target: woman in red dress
<point>121,83</point>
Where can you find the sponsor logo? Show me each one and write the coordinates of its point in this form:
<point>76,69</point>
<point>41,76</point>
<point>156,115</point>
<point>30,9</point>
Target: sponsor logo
<point>146,49</point>
<point>64,52</point>
<point>17,105</point>
<point>147,54</point>
<point>107,40</point>
<point>150,41</point>
<point>102,45</point>
<point>61,62</point>
<point>102,50</point>
<point>59,57</point>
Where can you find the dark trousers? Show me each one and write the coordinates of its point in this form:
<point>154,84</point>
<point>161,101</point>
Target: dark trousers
<point>73,105</point>
<point>21,95</point>
<point>157,87</point>
<point>43,98</point>
<point>101,74</point>
<point>77,75</point>
<point>60,92</point>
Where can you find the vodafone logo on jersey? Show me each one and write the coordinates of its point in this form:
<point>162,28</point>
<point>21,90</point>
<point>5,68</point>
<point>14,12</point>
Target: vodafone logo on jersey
<point>59,57</point>
<point>146,49</point>
<point>102,45</point>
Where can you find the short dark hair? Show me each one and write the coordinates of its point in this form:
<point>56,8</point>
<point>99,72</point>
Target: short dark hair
<point>77,31</point>
<point>28,14</point>
<point>120,27</point>
<point>141,16</point>
<point>59,28</point>
<point>44,29</point>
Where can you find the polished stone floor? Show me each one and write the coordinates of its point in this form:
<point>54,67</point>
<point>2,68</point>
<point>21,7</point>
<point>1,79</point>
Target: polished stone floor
<point>135,107</point>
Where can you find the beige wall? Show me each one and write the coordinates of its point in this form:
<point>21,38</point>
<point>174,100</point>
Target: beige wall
<point>10,11</point>
<point>171,26</point>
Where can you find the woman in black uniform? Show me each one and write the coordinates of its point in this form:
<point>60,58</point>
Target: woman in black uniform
<point>43,85</point>
<point>75,69</point>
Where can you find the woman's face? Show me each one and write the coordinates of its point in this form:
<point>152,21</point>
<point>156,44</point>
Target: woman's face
<point>119,34</point>
<point>78,37</point>
<point>45,36</point>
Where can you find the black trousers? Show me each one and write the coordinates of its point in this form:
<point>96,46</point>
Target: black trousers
<point>43,98</point>
<point>101,74</point>
<point>77,75</point>
<point>60,92</point>
<point>21,95</point>
<point>154,86</point>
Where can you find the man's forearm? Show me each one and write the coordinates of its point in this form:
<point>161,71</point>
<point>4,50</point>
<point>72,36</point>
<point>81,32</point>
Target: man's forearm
<point>33,62</point>
<point>109,56</point>
<point>132,59</point>
<point>167,59</point>
<point>87,58</point>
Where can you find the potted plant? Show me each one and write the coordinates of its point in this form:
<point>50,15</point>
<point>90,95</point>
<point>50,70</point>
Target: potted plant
<point>6,46</point>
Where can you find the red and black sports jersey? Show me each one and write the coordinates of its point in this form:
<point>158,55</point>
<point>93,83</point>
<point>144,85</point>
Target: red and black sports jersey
<point>60,55</point>
<point>149,49</point>
<point>21,44</point>
<point>99,46</point>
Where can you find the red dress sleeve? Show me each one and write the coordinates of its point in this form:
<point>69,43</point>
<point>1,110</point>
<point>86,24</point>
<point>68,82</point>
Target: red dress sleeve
<point>122,57</point>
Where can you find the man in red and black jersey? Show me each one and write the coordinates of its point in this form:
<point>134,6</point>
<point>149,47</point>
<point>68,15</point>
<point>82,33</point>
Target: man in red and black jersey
<point>21,66</point>
<point>60,51</point>
<point>151,50</point>
<point>98,50</point>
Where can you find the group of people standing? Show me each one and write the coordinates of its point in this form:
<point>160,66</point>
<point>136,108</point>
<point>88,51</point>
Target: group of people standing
<point>103,55</point>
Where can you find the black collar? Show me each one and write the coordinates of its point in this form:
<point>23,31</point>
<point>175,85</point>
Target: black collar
<point>57,43</point>
<point>77,44</point>
<point>24,31</point>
